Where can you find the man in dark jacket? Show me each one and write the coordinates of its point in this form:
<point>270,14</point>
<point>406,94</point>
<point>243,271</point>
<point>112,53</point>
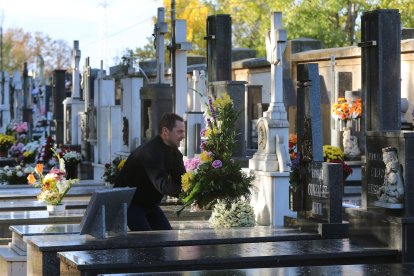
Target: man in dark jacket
<point>155,169</point>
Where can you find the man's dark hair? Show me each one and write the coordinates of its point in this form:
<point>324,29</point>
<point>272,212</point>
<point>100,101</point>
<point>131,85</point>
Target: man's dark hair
<point>168,120</point>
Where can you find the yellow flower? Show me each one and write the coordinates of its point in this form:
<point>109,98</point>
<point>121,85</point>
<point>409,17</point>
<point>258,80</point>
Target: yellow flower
<point>208,132</point>
<point>186,180</point>
<point>205,156</point>
<point>222,101</point>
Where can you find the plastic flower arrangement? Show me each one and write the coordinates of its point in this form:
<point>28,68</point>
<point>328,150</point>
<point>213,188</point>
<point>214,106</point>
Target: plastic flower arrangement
<point>336,155</point>
<point>53,185</point>
<point>45,153</point>
<point>20,127</point>
<point>6,141</point>
<point>112,170</point>
<point>343,110</point>
<point>16,151</point>
<point>14,175</point>
<point>213,174</point>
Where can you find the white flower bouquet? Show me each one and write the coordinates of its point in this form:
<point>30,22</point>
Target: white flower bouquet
<point>232,214</point>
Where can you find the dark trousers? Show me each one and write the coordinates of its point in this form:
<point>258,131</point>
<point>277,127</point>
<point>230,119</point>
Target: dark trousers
<point>146,218</point>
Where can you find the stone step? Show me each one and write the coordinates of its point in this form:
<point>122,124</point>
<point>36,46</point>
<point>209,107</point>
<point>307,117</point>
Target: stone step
<point>226,256</point>
<point>336,270</point>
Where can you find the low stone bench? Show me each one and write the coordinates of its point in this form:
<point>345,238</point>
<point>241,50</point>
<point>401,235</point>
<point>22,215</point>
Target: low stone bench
<point>224,256</point>
<point>42,250</point>
<point>337,270</point>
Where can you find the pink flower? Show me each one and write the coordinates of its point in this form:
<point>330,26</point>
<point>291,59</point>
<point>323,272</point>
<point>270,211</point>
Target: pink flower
<point>217,164</point>
<point>203,145</point>
<point>192,164</point>
<point>203,132</point>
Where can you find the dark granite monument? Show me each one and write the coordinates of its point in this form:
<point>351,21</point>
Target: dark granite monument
<point>381,62</point>
<point>320,183</point>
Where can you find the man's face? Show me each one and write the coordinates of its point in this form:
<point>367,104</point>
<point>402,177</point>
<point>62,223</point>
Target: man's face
<point>173,138</point>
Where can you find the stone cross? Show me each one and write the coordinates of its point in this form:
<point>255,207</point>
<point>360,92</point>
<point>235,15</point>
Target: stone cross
<point>160,29</point>
<point>76,54</point>
<point>275,47</point>
<point>181,48</point>
<point>273,127</point>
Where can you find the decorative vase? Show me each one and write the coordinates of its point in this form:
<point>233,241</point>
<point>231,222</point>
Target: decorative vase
<point>56,210</point>
<point>109,184</point>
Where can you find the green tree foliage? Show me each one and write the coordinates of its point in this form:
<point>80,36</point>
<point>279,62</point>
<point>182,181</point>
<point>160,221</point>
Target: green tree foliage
<point>20,47</point>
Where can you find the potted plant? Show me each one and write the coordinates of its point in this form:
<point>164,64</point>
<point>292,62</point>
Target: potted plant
<point>72,159</point>
<point>6,141</point>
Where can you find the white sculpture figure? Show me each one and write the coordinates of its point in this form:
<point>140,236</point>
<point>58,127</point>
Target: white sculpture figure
<point>392,191</point>
<point>350,143</point>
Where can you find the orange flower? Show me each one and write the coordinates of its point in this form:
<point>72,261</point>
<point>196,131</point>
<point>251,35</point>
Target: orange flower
<point>39,168</point>
<point>31,179</point>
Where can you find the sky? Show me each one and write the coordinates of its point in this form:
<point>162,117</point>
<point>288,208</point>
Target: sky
<point>127,23</point>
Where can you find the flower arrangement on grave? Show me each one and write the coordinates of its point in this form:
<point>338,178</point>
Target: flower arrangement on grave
<point>345,110</point>
<point>214,176</point>
<point>30,151</point>
<point>14,175</point>
<point>72,159</point>
<point>239,213</point>
<point>112,170</point>
<point>20,127</point>
<point>45,153</point>
<point>294,159</point>
<point>6,141</point>
<point>16,151</point>
<point>336,155</point>
<point>53,185</point>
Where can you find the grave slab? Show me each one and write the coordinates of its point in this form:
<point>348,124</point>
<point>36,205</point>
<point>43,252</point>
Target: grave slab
<point>223,256</point>
<point>36,217</point>
<point>337,270</point>
<point>43,250</point>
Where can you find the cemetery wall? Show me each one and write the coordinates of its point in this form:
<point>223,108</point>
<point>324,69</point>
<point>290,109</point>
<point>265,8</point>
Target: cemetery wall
<point>331,62</point>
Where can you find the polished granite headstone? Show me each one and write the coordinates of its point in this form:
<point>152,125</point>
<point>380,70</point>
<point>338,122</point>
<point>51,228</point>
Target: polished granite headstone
<point>43,250</point>
<point>337,270</point>
<point>107,213</point>
<point>224,256</point>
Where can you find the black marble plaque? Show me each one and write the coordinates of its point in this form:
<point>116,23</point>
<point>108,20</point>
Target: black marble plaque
<point>323,192</point>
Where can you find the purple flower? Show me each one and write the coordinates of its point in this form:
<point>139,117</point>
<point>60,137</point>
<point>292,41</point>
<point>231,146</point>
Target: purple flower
<point>212,111</point>
<point>295,162</point>
<point>209,123</point>
<point>203,132</point>
<point>217,164</point>
<point>203,145</point>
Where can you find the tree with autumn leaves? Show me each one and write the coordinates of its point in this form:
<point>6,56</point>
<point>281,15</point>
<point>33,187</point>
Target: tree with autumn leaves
<point>20,47</point>
<point>335,22</point>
